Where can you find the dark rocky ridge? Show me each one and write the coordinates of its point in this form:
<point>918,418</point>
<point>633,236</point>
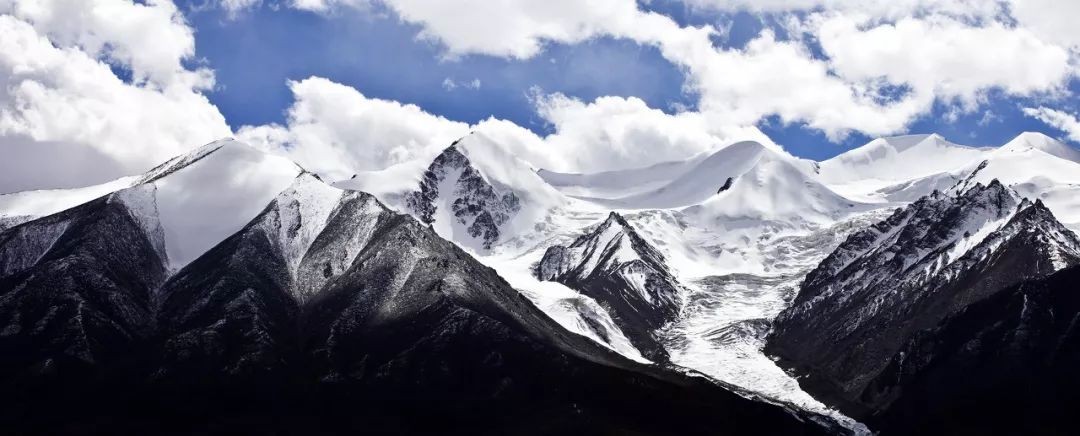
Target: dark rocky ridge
<point>639,293</point>
<point>76,289</point>
<point>387,329</point>
<point>858,308</point>
<point>1004,365</point>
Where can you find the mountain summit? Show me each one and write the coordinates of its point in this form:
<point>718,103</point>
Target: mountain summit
<point>907,273</point>
<point>625,274</point>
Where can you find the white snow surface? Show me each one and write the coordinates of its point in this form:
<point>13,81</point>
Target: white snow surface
<point>621,183</point>
<point>303,209</point>
<point>217,190</point>
<point>27,205</point>
<point>1034,141</point>
<point>775,190</point>
<point>887,161</point>
<point>1032,172</point>
<point>389,184</point>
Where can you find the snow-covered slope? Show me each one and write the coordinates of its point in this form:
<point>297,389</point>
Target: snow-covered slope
<point>300,213</point>
<point>1032,164</point>
<point>1034,141</point>
<point>888,161</point>
<point>19,207</point>
<point>743,181</point>
<point>200,197</point>
<point>212,192</point>
<point>773,189</point>
<point>617,184</point>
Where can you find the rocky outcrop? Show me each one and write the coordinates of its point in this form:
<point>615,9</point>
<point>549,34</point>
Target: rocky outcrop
<point>625,274</point>
<point>451,181</point>
<point>76,290</point>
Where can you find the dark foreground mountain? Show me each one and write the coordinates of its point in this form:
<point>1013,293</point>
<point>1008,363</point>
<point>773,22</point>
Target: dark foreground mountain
<point>327,313</point>
<point>1005,365</point>
<point>849,330</point>
<point>625,274</point>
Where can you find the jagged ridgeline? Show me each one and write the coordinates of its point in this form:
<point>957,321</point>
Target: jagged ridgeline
<point>318,311</point>
<point>865,321</point>
<point>625,274</point>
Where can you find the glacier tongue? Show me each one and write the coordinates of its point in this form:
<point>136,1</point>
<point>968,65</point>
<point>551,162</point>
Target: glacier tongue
<point>721,331</point>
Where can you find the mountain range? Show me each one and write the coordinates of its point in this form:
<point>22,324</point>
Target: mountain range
<point>740,291</point>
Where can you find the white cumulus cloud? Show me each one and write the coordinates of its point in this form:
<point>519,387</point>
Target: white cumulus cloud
<point>1057,119</point>
<point>948,51</point>
<point>943,57</point>
<point>617,133</point>
<point>60,100</point>
<point>335,130</point>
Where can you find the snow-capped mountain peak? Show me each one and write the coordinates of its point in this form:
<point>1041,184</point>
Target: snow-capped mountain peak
<point>1034,141</point>
<point>199,197</point>
<point>302,211</point>
<point>773,189</point>
<point>927,235</point>
<point>212,192</point>
<point>475,193</point>
<point>611,243</point>
<point>894,159</point>
<point>615,266</point>
<point>906,273</point>
<point>456,197</point>
<point>745,180</point>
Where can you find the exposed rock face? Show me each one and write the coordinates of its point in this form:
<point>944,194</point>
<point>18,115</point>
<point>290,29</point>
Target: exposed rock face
<point>475,204</point>
<point>76,290</point>
<point>726,186</point>
<point>857,310</point>
<point>626,275</point>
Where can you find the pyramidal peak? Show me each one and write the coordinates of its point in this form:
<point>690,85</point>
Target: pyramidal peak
<point>896,159</point>
<point>1035,141</point>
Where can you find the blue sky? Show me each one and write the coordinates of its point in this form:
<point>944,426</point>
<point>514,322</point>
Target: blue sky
<point>255,52</point>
